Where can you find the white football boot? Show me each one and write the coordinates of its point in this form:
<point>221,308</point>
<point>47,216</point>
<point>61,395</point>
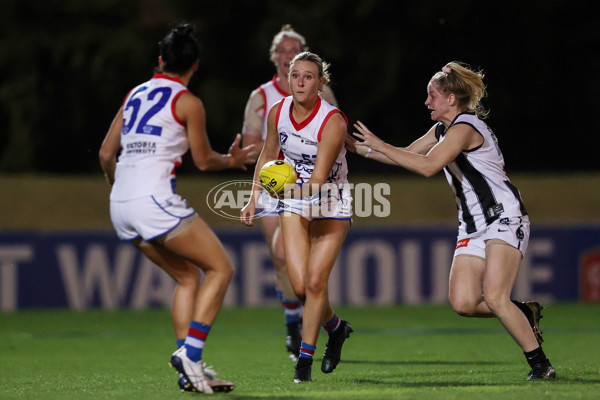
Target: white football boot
<point>216,384</point>
<point>192,371</point>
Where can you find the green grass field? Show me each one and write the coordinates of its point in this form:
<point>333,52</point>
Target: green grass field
<point>401,352</point>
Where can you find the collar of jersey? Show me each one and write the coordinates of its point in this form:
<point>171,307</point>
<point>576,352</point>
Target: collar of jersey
<point>308,119</point>
<point>278,88</point>
<point>163,76</point>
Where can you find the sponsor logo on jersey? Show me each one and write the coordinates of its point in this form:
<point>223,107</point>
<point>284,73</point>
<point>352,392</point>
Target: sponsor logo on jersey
<point>309,142</point>
<point>140,147</point>
<point>462,243</point>
<point>494,210</point>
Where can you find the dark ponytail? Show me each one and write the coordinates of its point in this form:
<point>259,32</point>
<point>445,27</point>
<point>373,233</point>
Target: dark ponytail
<point>179,49</point>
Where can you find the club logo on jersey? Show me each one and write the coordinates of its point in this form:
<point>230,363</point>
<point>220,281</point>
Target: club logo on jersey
<point>520,234</point>
<point>304,169</point>
<point>283,137</point>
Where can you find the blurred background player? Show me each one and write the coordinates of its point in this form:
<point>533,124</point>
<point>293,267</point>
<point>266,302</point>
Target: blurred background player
<point>494,228</point>
<point>286,44</point>
<point>157,123</point>
<point>315,215</point>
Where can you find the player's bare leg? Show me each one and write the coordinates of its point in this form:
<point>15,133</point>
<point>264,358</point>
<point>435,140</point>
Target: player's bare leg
<point>292,306</point>
<point>310,260</point>
<point>481,288</point>
<point>199,244</point>
<point>327,238</point>
<point>187,276</point>
<point>465,287</point>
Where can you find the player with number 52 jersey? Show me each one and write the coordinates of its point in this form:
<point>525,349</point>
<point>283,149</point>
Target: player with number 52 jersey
<point>153,139</point>
<point>157,123</point>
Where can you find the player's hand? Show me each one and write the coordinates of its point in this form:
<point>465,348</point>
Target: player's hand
<point>351,145</point>
<point>242,156</point>
<point>290,191</point>
<point>367,139</point>
<point>247,213</point>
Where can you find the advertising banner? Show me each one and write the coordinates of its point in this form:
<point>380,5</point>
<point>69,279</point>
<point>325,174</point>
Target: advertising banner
<point>384,266</point>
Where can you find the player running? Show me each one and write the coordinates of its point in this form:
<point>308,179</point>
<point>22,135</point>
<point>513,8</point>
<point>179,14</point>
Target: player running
<point>493,223</point>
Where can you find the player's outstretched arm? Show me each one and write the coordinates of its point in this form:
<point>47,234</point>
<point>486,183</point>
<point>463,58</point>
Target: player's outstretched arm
<point>354,146</point>
<point>426,156</point>
<point>190,109</point>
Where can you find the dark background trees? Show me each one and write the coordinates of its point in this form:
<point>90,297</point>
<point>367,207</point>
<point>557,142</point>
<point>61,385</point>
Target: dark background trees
<point>66,65</point>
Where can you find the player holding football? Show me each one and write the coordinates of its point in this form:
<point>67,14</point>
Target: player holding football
<point>494,226</point>
<point>286,44</point>
<point>157,123</point>
<point>316,215</point>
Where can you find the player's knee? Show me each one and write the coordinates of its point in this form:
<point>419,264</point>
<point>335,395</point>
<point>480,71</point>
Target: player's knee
<point>300,294</point>
<point>298,289</point>
<point>495,301</point>
<point>224,272</point>
<point>190,278</point>
<point>462,307</point>
<point>315,287</point>
<point>301,297</point>
<point>463,312</point>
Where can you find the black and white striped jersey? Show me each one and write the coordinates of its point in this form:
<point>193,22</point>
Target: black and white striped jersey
<point>483,191</point>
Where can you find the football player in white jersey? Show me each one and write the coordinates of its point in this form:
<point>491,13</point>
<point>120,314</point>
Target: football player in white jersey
<point>157,123</point>
<point>316,215</point>
<point>286,44</point>
<point>494,226</point>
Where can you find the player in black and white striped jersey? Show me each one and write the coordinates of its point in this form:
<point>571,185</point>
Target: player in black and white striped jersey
<point>493,224</point>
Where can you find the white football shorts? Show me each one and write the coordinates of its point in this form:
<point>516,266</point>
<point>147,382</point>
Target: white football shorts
<point>148,217</point>
<point>267,205</point>
<point>512,230</point>
<point>332,202</point>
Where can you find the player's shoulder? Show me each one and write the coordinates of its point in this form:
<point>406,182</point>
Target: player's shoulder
<point>467,118</point>
<point>336,120</point>
<point>188,96</point>
<point>328,95</point>
<point>469,121</point>
<point>256,97</point>
<point>276,106</point>
<point>262,89</point>
<point>187,103</point>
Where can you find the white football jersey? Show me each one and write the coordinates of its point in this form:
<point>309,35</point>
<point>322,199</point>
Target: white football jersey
<point>299,141</point>
<point>271,93</point>
<point>153,140</point>
<point>478,178</point>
